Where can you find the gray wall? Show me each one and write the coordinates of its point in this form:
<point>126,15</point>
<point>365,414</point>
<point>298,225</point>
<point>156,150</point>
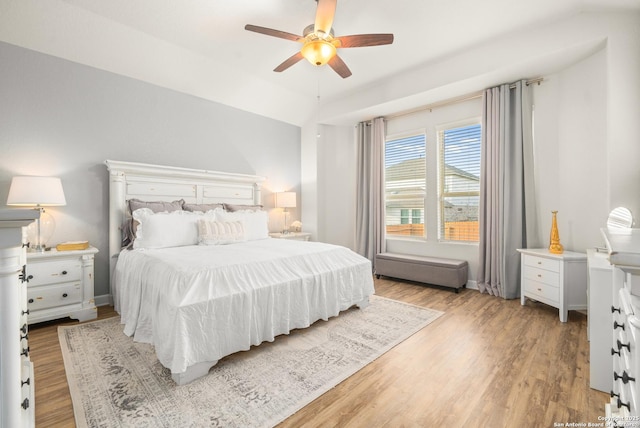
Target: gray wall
<point>59,118</point>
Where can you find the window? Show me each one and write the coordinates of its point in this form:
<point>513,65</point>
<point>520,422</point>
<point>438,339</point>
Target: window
<point>405,179</point>
<point>459,169</point>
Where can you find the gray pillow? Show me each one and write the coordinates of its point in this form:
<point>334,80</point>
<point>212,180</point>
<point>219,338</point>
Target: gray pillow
<point>232,208</point>
<point>201,207</point>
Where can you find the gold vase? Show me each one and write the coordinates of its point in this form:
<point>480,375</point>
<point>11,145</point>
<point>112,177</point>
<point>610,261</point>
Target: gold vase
<point>555,247</point>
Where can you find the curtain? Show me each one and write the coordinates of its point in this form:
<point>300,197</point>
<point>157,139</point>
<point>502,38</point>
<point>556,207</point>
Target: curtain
<point>507,195</point>
<point>370,227</point>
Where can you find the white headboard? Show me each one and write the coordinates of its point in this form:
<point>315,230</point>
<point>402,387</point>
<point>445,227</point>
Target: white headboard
<point>147,182</point>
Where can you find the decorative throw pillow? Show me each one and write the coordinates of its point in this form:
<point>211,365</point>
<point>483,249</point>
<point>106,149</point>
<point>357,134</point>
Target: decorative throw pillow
<point>165,229</point>
<point>213,232</point>
<point>256,223</point>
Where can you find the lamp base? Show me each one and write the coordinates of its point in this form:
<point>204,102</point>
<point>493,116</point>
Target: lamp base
<point>40,232</point>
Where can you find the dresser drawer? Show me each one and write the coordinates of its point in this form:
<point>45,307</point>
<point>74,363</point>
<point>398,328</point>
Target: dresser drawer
<point>542,290</point>
<point>55,271</point>
<point>542,263</point>
<point>54,295</point>
<point>541,275</point>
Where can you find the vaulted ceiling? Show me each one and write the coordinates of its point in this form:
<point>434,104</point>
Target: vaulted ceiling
<point>200,47</point>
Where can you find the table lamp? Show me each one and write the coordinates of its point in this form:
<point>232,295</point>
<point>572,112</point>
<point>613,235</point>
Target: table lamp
<point>285,200</point>
<point>38,192</point>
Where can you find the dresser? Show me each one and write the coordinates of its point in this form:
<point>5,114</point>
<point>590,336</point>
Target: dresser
<point>16,369</point>
<point>599,320</point>
<point>558,280</point>
<point>624,255</point>
<point>61,285</point>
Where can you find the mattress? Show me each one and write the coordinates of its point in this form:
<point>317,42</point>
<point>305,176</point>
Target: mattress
<point>201,303</point>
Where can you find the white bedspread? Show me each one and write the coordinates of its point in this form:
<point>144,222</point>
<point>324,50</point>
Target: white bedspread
<point>201,303</point>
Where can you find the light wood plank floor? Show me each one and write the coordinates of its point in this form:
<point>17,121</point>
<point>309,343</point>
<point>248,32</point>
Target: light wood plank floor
<point>486,362</point>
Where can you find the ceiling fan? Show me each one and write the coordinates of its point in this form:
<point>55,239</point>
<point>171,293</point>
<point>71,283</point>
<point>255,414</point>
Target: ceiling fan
<point>319,45</point>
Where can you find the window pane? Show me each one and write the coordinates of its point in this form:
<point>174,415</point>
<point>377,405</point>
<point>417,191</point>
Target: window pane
<point>405,174</point>
<point>460,183</point>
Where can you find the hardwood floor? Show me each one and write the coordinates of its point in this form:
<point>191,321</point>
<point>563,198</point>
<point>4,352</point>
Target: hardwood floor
<point>487,362</point>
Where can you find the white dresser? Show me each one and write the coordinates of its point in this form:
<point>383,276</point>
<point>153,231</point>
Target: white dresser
<point>624,254</point>
<point>559,280</point>
<point>16,369</point>
<point>600,319</point>
<point>61,285</point>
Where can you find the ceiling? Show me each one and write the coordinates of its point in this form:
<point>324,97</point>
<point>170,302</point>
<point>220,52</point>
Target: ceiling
<point>200,46</point>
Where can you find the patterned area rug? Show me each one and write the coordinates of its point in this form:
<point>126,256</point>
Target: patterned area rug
<point>115,382</point>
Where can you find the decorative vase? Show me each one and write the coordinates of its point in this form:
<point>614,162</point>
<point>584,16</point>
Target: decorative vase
<point>555,247</point>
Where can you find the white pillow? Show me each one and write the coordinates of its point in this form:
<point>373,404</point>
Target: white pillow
<point>212,232</point>
<point>256,223</point>
<point>166,229</point>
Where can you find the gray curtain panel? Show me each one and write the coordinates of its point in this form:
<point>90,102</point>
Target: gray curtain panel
<point>370,227</point>
<point>507,198</point>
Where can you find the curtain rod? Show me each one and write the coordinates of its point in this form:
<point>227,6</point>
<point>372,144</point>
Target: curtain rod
<point>467,97</point>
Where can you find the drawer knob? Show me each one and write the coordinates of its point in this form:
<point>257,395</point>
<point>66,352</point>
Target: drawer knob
<point>613,352</point>
<point>25,404</point>
<point>64,295</point>
<point>539,263</point>
<point>624,345</point>
<point>27,311</point>
<point>64,272</point>
<point>30,300</point>
<point>25,337</point>
<point>616,325</point>
<point>23,329</point>
<point>25,352</point>
<point>613,309</point>
<point>613,394</point>
<point>625,377</point>
<point>26,382</point>
<point>539,276</point>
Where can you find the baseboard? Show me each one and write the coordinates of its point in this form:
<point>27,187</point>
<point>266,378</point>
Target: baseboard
<point>473,285</point>
<point>104,300</point>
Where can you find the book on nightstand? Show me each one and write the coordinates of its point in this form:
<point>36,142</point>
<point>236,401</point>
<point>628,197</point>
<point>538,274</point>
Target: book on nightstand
<point>72,245</point>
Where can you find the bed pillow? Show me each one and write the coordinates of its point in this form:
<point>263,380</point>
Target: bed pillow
<point>233,208</point>
<point>256,223</point>
<point>201,207</point>
<point>165,229</point>
<point>213,232</point>
<point>130,226</point>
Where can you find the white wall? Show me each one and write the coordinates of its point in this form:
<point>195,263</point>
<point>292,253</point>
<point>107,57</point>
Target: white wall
<point>586,120</point>
<point>63,119</point>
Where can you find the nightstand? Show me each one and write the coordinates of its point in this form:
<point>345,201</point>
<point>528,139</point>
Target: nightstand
<point>61,285</point>
<point>558,280</point>
<point>296,236</point>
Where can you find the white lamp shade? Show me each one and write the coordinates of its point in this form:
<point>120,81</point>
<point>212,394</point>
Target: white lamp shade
<point>36,191</point>
<point>285,200</point>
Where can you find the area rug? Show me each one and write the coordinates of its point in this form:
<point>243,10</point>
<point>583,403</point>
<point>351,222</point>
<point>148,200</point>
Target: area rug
<point>116,382</point>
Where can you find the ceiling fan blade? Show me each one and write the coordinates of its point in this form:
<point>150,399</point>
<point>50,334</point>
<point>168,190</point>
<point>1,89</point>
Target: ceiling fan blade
<point>339,67</point>
<point>360,40</point>
<point>324,15</point>
<point>289,62</point>
<point>274,33</point>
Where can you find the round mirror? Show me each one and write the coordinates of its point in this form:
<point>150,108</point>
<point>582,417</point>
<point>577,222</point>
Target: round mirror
<point>620,218</point>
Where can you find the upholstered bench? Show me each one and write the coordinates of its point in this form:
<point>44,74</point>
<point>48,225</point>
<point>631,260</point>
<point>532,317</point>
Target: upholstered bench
<point>430,270</point>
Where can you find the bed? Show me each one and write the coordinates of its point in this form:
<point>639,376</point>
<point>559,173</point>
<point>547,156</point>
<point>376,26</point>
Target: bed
<point>197,303</point>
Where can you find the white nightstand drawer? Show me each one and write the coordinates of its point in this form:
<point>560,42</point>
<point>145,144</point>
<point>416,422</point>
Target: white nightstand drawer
<point>542,263</point>
<point>54,271</point>
<point>545,291</point>
<point>54,295</point>
<point>541,275</point>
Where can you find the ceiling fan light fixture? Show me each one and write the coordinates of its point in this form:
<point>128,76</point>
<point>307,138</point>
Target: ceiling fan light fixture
<point>318,52</point>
